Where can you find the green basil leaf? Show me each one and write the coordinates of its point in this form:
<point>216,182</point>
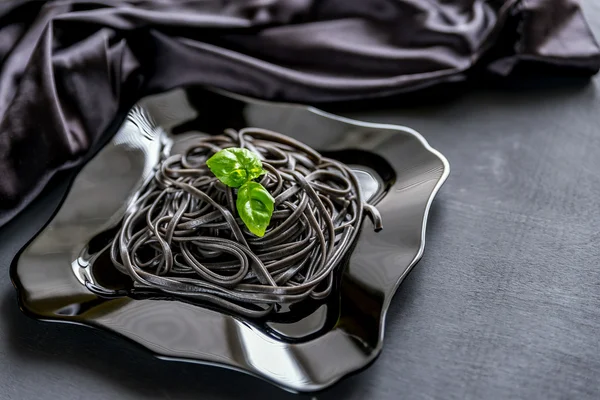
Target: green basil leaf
<point>255,206</point>
<point>235,166</point>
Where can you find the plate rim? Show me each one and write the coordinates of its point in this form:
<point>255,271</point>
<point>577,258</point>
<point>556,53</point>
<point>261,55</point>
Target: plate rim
<point>311,387</point>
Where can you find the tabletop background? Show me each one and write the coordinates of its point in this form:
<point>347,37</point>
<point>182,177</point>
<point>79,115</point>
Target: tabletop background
<point>504,304</point>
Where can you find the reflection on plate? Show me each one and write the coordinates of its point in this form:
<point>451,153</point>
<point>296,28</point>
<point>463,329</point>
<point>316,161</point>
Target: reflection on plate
<point>63,274</point>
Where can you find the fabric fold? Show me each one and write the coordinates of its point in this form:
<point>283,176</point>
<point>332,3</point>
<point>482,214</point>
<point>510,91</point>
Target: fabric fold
<point>69,67</point>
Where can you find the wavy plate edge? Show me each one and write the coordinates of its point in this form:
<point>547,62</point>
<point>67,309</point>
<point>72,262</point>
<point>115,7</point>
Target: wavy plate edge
<point>305,388</point>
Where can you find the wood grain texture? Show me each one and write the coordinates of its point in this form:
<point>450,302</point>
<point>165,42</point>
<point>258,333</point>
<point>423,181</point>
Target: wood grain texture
<point>504,304</point>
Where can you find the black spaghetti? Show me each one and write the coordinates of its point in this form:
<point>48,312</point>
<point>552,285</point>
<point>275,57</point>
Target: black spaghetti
<point>183,236</point>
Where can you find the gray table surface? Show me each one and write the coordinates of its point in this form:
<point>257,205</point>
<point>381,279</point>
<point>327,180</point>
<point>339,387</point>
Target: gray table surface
<point>504,304</point>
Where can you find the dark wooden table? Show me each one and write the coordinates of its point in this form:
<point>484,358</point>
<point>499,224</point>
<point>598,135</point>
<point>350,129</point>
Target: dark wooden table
<point>504,304</point>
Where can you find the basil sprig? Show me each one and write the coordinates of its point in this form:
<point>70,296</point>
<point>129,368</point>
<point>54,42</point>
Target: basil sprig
<point>236,168</point>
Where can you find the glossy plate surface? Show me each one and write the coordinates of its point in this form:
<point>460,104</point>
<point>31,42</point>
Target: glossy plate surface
<point>62,274</point>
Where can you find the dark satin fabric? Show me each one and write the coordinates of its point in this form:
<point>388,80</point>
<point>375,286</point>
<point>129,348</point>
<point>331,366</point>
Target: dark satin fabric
<point>70,67</point>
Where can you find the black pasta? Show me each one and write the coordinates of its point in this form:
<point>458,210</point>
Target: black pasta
<point>183,236</point>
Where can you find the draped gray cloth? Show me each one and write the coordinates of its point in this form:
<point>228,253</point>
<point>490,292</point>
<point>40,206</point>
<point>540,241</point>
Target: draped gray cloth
<point>68,68</point>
